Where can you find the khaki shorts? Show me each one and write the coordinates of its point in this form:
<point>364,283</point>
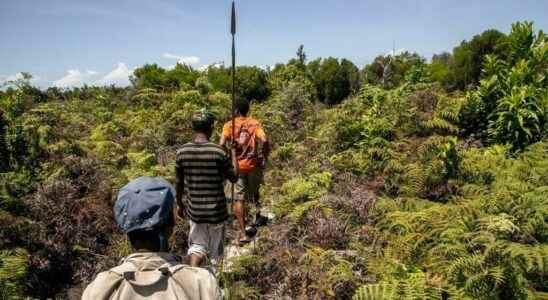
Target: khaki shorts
<point>247,186</point>
<point>206,239</point>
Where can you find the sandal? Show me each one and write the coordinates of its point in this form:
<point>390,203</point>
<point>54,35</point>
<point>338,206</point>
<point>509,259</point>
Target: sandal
<point>251,232</point>
<point>241,242</point>
<point>261,220</point>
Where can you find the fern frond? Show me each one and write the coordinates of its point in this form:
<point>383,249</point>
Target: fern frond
<point>375,292</point>
<point>439,125</point>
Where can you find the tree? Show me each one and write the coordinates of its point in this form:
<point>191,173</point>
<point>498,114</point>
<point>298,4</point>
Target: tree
<point>148,76</point>
<point>389,71</point>
<point>300,60</point>
<point>352,74</point>
<point>282,75</point>
<point>301,56</point>
<point>251,83</point>
<point>465,67</point>
<point>511,103</point>
<point>439,68</point>
<point>3,146</point>
<point>180,75</point>
<point>219,77</point>
<point>332,83</point>
<point>418,73</point>
<point>155,77</point>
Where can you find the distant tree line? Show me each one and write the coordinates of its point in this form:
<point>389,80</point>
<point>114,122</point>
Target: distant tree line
<point>335,79</point>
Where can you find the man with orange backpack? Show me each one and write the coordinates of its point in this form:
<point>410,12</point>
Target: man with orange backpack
<point>252,149</point>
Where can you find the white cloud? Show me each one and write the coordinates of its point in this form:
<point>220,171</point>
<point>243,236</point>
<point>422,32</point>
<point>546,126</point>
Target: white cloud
<point>15,77</point>
<point>396,52</point>
<point>206,66</point>
<point>75,78</point>
<point>119,76</point>
<point>185,60</point>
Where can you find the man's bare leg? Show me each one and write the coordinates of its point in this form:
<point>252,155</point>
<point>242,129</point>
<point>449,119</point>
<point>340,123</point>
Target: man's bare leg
<point>257,207</point>
<point>239,212</point>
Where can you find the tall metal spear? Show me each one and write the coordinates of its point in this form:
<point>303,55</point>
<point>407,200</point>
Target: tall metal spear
<point>233,33</point>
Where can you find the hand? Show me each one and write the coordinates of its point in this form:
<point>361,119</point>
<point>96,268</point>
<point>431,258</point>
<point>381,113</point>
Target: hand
<point>235,161</point>
<point>262,163</point>
<point>181,211</point>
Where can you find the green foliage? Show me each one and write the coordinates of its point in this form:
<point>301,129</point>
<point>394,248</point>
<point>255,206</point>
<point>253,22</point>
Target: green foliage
<point>520,117</point>
<point>368,120</point>
<point>390,190</point>
<point>465,67</point>
<point>288,112</point>
<point>203,85</point>
<point>13,268</point>
<point>152,76</point>
<point>327,274</point>
<point>489,244</point>
<point>241,290</point>
<point>302,189</point>
<point>4,163</point>
<point>510,105</point>
<point>411,285</point>
<point>418,73</point>
<point>149,76</point>
<point>390,71</point>
<point>334,80</point>
<point>439,69</point>
<point>251,82</point>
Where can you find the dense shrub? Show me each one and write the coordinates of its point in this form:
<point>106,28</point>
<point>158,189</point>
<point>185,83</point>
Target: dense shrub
<point>510,104</point>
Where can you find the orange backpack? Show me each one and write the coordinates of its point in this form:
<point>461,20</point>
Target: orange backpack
<point>246,146</point>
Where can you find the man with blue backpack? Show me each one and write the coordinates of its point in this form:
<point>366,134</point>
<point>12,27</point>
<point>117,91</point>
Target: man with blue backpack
<point>144,211</point>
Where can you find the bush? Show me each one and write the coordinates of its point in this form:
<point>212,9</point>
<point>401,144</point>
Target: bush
<point>510,105</point>
<point>13,269</point>
<point>299,190</point>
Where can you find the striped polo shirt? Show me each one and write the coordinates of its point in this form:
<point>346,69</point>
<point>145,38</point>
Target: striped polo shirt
<point>202,168</point>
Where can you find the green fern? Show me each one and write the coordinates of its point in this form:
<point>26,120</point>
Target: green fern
<point>439,125</point>
<point>375,292</point>
<point>13,267</point>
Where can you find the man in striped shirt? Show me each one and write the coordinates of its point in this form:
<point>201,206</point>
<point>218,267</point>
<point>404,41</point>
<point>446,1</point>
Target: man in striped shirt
<point>201,168</point>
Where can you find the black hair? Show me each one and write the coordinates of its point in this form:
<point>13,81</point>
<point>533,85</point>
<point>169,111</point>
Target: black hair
<point>242,106</point>
<point>145,238</point>
<point>153,239</point>
<point>202,126</point>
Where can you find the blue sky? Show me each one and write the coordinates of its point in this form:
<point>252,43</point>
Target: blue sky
<point>70,42</point>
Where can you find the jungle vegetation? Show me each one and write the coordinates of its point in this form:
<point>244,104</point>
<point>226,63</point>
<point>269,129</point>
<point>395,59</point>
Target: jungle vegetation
<point>406,179</point>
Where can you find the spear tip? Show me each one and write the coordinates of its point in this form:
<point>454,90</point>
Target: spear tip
<point>233,20</point>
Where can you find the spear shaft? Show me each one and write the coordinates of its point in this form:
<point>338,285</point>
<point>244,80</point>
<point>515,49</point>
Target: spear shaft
<point>233,33</point>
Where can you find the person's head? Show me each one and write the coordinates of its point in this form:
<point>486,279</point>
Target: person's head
<point>241,107</point>
<point>144,211</point>
<point>202,122</point>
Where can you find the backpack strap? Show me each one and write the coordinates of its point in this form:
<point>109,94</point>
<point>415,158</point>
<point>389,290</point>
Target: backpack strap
<point>126,267</point>
<point>128,271</point>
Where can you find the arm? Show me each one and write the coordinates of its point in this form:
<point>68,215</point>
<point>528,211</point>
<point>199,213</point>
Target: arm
<point>179,189</point>
<point>265,147</point>
<point>229,166</point>
<point>222,142</point>
<point>225,134</point>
